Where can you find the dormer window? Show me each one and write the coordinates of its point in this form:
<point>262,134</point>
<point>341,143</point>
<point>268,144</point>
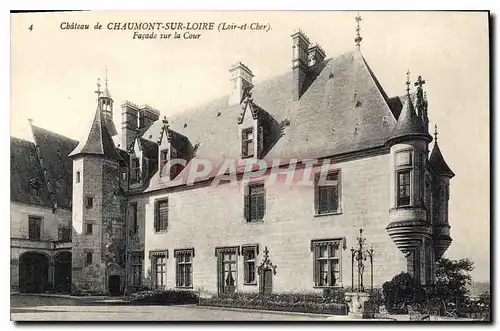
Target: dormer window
<point>247,140</point>
<point>136,170</point>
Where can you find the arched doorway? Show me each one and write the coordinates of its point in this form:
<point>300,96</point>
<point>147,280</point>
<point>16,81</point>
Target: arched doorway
<point>62,272</point>
<point>33,272</point>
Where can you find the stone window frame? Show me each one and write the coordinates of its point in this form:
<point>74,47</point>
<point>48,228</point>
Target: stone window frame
<point>89,201</point>
<point>86,224</point>
<point>247,262</point>
<point>316,245</point>
<point>153,256</point>
<point>157,221</point>
<point>318,189</point>
<point>182,265</point>
<point>248,202</point>
<point>89,253</point>
<point>219,253</point>
<point>135,170</point>
<point>35,218</point>
<point>407,168</point>
<point>247,138</point>
<point>136,263</point>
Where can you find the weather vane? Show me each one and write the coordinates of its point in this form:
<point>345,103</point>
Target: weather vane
<point>358,38</point>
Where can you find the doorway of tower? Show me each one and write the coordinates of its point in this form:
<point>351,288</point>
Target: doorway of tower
<point>114,285</point>
<point>62,272</point>
<point>33,272</point>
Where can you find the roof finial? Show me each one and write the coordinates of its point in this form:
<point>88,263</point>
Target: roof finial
<point>419,82</point>
<point>435,133</point>
<point>408,82</point>
<point>358,38</point>
<point>98,91</point>
<point>106,68</point>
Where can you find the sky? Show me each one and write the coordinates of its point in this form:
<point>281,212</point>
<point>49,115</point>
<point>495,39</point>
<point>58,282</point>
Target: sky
<point>54,74</point>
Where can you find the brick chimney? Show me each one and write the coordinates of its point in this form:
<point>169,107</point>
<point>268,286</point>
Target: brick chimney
<point>316,55</point>
<point>130,112</point>
<point>240,79</point>
<point>299,62</point>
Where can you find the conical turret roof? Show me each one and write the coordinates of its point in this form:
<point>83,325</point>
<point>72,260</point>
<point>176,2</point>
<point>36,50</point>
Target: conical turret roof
<point>98,141</point>
<point>438,164</point>
<point>408,125</point>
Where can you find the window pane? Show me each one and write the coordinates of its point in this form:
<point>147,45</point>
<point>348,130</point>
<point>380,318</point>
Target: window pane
<point>323,251</point>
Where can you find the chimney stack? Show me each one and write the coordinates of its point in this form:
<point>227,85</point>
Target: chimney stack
<point>299,62</point>
<point>316,55</point>
<point>241,79</point>
<point>130,111</point>
<point>147,116</point>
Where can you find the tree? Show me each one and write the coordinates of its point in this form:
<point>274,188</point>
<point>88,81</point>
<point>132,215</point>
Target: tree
<point>452,277</point>
<point>399,292</point>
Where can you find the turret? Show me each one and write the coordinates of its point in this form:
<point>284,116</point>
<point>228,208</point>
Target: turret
<point>98,209</point>
<point>440,168</point>
<point>408,226</point>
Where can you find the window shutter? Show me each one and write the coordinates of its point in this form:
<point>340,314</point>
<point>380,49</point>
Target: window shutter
<point>263,200</point>
<point>247,204</point>
<point>316,265</point>
<point>157,218</point>
<point>316,194</point>
<point>260,141</point>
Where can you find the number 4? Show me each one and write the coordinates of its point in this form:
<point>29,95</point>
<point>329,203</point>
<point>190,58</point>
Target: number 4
<point>31,27</point>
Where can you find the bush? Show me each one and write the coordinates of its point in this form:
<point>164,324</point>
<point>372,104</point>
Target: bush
<point>164,297</point>
<point>296,302</point>
<point>400,292</point>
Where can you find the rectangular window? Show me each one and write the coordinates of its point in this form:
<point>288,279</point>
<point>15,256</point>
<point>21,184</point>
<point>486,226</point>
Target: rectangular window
<point>247,141</point>
<point>78,176</point>
<point>226,269</point>
<point>35,227</point>
<point>88,258</point>
<point>159,263</point>
<point>88,228</point>
<point>34,190</point>
<point>64,234</point>
<point>133,215</point>
<point>328,193</point>
<point>249,256</point>
<point>136,170</point>
<point>89,202</point>
<point>404,187</point>
<point>255,206</point>
<point>327,262</point>
<point>163,160</point>
<point>184,268</point>
<point>161,215</point>
<point>136,261</point>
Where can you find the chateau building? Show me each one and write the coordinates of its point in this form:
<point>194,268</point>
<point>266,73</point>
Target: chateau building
<point>264,189</point>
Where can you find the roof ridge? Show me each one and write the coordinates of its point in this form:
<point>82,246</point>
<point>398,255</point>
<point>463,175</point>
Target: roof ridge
<point>54,133</point>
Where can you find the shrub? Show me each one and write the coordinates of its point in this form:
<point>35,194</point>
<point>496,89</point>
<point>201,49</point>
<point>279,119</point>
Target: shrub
<point>164,297</point>
<point>400,292</point>
<point>296,302</point>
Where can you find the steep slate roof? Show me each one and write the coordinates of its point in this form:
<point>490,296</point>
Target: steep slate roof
<point>438,164</point>
<point>25,167</point>
<point>98,141</point>
<point>53,151</point>
<point>343,109</point>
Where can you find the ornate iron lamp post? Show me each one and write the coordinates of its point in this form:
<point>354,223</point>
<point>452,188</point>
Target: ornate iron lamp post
<point>360,255</point>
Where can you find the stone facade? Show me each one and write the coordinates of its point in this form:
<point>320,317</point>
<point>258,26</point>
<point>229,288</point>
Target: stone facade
<point>331,110</point>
